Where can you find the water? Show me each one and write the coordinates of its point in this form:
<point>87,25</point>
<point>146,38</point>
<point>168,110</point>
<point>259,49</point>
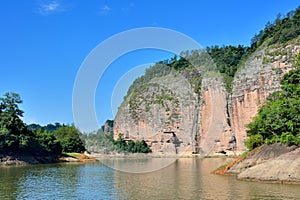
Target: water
<point>186,178</point>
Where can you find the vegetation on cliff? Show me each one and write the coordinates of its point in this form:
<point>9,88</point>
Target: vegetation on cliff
<point>283,29</point>
<point>278,120</point>
<point>227,60</point>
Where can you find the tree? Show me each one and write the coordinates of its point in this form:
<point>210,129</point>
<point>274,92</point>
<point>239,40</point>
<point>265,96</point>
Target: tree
<point>69,138</point>
<point>13,132</point>
<point>48,141</point>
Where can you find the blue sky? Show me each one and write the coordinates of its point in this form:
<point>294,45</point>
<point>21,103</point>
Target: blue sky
<point>43,43</point>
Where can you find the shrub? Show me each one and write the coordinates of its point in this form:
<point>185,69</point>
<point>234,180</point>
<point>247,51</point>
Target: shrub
<point>289,139</point>
<point>254,141</point>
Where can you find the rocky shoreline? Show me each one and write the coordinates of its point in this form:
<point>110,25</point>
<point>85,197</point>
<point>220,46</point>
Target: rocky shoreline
<point>23,159</point>
<point>274,163</point>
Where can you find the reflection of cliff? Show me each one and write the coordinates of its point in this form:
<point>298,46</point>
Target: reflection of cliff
<point>192,179</point>
<point>167,113</point>
<point>186,178</point>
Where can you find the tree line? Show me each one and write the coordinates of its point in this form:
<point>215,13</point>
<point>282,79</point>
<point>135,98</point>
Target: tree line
<point>284,28</point>
<point>16,136</point>
<point>101,142</point>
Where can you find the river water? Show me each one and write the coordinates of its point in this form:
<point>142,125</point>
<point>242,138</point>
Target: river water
<point>186,178</point>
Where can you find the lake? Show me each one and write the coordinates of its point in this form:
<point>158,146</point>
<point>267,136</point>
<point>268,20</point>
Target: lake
<point>185,178</point>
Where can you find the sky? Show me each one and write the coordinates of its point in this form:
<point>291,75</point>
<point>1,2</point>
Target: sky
<point>44,43</point>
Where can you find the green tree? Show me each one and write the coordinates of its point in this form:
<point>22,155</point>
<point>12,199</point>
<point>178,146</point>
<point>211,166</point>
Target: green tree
<point>69,138</point>
<point>48,141</point>
<point>13,132</point>
<point>131,146</point>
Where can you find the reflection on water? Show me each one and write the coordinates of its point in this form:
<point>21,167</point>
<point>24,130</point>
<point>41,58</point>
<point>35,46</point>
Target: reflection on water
<point>140,165</point>
<point>186,178</point>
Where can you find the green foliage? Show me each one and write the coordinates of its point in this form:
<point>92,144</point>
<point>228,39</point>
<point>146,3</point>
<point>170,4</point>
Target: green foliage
<point>99,142</point>
<point>254,141</point>
<point>16,136</point>
<point>228,82</point>
<point>279,120</point>
<point>49,127</point>
<point>227,58</point>
<point>69,138</point>
<point>289,139</point>
<point>131,146</point>
<point>104,143</point>
<point>283,29</point>
<point>291,84</point>
<point>48,141</point>
<point>13,132</point>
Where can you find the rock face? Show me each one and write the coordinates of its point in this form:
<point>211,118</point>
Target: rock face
<point>254,82</point>
<point>285,169</point>
<point>251,86</point>
<point>260,155</point>
<point>214,131</point>
<point>273,163</point>
<point>172,118</point>
<point>162,113</point>
<point>108,127</point>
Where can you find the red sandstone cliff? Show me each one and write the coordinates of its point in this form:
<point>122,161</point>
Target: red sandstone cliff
<point>255,81</point>
<point>172,118</point>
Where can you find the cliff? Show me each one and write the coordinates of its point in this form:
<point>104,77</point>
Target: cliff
<point>255,81</point>
<point>175,114</point>
<point>161,112</point>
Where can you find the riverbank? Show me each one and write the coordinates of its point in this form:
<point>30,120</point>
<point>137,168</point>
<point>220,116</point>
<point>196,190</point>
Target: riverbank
<point>274,163</point>
<point>27,158</point>
<point>147,155</point>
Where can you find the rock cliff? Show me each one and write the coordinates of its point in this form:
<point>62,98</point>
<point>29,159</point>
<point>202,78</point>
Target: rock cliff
<point>255,81</point>
<point>161,112</point>
<point>172,116</point>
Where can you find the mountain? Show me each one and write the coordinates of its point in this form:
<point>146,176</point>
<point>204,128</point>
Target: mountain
<point>202,101</point>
